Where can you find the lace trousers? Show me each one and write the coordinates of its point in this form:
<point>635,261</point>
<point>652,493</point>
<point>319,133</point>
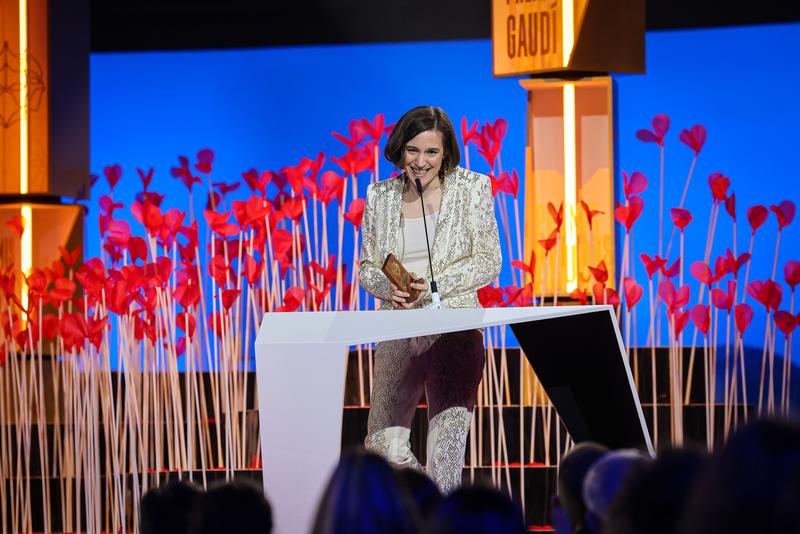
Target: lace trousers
<point>448,369</point>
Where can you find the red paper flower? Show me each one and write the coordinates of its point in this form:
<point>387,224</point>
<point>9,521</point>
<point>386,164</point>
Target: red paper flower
<point>148,215</point>
<point>112,173</point>
<point>49,326</point>
<point>734,264</point>
<point>281,241</point>
<point>590,213</point>
<point>329,274</point>
<point>296,176</point>
<point>652,266</point>
<point>219,223</point>
<point>187,292</point>
<point>660,127</point>
<point>224,188</point>
<point>184,174</point>
<point>719,186</point>
<point>633,291</point>
<point>550,242</point>
<point>791,273</point>
<point>605,295</point>
<point>496,185</point>
<point>508,183</point>
<point>250,212</point>
<point>679,320</point>
<point>63,290</point>
<point>694,138</point>
<point>490,297</point>
<point>292,299</point>
<point>17,225</point>
<point>529,268</point>
<point>784,213</point>
<point>680,217</point>
<point>137,248</point>
<point>74,330</point>
<point>149,196</point>
<point>518,296</point>
<point>721,268</point>
<point>785,321</point>
<point>497,131</point>
<point>701,317</point>
<point>489,153</point>
<point>600,272</point>
<point>145,177</point>
<point>730,206</point>
<point>702,272</point>
<point>310,180</point>
<point>768,293</point>
<point>205,158</point>
<point>37,283</point>
<point>219,270</point>
<point>257,182</point>
<point>252,269</point>
<point>558,216</point>
<point>331,188</point>
<point>674,300</point>
<point>637,183</point>
<point>107,205</point>
<point>723,300</point>
<point>673,270</point>
<point>375,128</point>
<point>293,208</point>
<point>581,296</point>
<point>743,315</point>
<point>357,134</point>
<point>467,133</point>
<point>627,215</point>
<point>756,215</point>
<point>355,212</point>
<point>119,232</point>
<point>229,298</point>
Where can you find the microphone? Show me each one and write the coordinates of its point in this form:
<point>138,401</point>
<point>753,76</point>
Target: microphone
<point>437,303</point>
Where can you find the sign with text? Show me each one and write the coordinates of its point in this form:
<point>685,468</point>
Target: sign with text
<point>526,36</point>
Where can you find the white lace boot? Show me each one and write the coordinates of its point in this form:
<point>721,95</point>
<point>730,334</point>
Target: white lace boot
<point>447,441</point>
<point>393,443</point>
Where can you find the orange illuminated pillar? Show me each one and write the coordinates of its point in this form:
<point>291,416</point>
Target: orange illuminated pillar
<point>44,126</point>
<point>569,47</point>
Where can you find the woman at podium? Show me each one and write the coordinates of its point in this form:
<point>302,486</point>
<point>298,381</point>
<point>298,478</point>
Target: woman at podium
<point>432,201</point>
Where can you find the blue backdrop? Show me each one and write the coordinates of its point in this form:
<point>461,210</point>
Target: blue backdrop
<point>267,108</point>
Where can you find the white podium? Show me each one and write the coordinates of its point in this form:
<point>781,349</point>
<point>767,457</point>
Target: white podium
<point>576,352</point>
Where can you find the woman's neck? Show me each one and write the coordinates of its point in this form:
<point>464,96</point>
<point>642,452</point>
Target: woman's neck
<point>429,190</point>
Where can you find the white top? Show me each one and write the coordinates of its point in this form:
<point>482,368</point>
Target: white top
<point>413,252</point>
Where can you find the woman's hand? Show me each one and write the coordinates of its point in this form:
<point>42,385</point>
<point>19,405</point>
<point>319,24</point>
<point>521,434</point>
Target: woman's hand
<point>399,298</point>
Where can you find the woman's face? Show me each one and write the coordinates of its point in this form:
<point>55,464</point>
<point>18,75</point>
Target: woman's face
<point>423,157</point>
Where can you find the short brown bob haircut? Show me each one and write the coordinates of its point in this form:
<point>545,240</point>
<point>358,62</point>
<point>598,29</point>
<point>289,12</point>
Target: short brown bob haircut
<point>413,123</point>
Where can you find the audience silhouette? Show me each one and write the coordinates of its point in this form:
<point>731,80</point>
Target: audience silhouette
<point>751,485</point>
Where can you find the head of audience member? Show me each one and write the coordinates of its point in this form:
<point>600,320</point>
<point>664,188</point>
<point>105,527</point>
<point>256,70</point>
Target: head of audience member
<point>422,490</point>
<point>363,496</point>
<point>751,485</point>
<point>569,510</point>
<point>605,479</point>
<point>475,510</point>
<point>166,509</point>
<point>237,507</point>
<point>653,499</point>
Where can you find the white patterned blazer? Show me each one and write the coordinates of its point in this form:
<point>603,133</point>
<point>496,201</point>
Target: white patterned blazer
<point>465,248</point>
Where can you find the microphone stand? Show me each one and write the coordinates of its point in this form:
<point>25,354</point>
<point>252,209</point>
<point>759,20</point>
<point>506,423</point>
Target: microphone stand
<point>437,303</point>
